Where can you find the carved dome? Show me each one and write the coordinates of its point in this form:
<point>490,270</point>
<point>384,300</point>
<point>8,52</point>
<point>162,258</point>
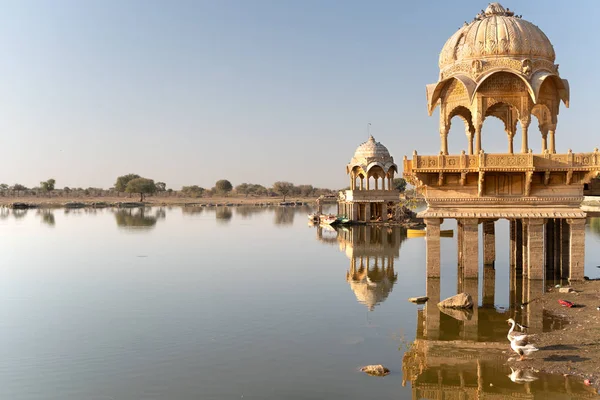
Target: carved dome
<point>372,149</point>
<point>372,153</point>
<point>495,36</point>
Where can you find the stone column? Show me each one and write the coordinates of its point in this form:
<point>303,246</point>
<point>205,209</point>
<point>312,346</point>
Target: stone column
<point>489,285</point>
<point>444,139</point>
<point>470,134</point>
<point>577,249</point>
<point>477,139</point>
<point>460,242</point>
<point>535,246</point>
<point>556,255</point>
<point>552,148</point>
<point>512,227</point>
<point>470,247</point>
<point>367,212</point>
<point>544,132</point>
<point>525,253</point>
<point>549,254</point>
<point>565,240</point>
<point>368,182</point>
<point>489,243</point>
<point>525,121</point>
<point>433,247</point>
<point>511,136</point>
<point>519,245</point>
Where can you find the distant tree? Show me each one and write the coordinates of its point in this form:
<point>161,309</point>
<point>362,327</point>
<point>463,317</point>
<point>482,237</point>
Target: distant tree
<point>47,186</point>
<point>143,186</point>
<point>283,188</point>
<point>243,188</point>
<point>18,188</point>
<point>161,187</point>
<point>257,190</point>
<point>3,186</point>
<point>399,184</point>
<point>192,191</point>
<point>223,186</point>
<point>66,189</point>
<point>122,182</point>
<point>306,190</point>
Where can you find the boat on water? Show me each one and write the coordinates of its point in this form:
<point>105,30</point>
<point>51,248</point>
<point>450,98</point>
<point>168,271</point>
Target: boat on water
<point>414,233</point>
<point>328,219</point>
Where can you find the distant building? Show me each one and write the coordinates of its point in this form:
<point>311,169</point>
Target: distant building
<point>371,196</point>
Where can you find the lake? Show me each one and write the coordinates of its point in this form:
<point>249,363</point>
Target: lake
<point>244,302</point>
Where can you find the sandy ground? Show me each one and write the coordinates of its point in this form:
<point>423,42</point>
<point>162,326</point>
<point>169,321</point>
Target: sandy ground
<point>151,201</point>
<point>574,350</point>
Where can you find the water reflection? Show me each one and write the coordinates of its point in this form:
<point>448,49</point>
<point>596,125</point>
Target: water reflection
<point>135,219</point>
<point>371,250</point>
<point>284,216</point>
<point>595,225</point>
<point>223,215</point>
<point>464,355</point>
<point>47,216</point>
<point>192,210</point>
<point>19,214</point>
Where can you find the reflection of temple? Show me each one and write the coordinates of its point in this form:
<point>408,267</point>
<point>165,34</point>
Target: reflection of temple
<point>371,250</point>
<point>463,355</point>
<point>371,195</point>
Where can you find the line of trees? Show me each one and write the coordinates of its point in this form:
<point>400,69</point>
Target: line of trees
<point>131,184</point>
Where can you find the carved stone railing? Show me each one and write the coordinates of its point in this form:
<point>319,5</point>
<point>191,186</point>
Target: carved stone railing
<point>502,162</point>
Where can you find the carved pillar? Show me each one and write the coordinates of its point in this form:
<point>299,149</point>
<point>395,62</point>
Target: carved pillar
<point>544,132</point>
<point>368,182</point>
<point>551,135</point>
<point>444,139</point>
<point>525,121</point>
<point>577,249</point>
<point>511,136</point>
<point>352,181</point>
<point>433,247</point>
<point>489,243</point>
<point>367,212</point>
<point>565,239</point>
<point>535,247</point>
<point>470,247</point>
<point>470,133</point>
<point>478,138</point>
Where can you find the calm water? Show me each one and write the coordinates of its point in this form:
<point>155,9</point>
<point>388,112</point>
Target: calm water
<point>249,303</point>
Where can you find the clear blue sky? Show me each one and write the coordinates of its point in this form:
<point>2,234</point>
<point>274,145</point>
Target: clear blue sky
<point>188,92</point>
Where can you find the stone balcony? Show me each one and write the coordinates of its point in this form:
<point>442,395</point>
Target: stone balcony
<point>503,162</point>
<point>372,196</point>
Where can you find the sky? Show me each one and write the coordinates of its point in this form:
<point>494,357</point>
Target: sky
<point>190,91</point>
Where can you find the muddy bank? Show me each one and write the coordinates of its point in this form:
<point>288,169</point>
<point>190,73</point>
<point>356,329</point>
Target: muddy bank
<point>575,349</point>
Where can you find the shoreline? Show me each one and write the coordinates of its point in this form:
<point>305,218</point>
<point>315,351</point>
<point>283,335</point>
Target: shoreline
<point>155,201</point>
<point>575,349</point>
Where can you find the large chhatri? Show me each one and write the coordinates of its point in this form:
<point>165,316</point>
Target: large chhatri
<point>500,65</point>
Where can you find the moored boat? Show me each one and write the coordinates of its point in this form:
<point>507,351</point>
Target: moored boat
<point>413,233</point>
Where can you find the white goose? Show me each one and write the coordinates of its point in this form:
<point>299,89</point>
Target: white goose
<point>521,376</point>
<point>519,342</point>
